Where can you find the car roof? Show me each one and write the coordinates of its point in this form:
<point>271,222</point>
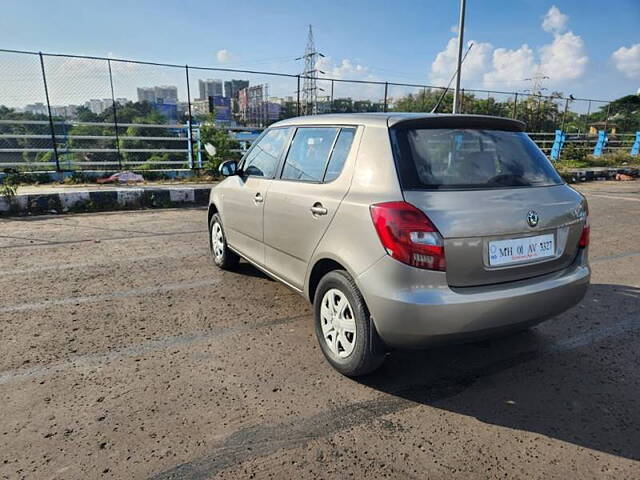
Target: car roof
<point>388,119</point>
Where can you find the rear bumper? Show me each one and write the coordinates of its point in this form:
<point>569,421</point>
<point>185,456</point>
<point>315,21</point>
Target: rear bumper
<point>413,308</point>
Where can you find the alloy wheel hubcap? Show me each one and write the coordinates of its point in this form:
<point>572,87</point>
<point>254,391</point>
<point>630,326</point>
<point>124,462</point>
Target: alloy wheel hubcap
<point>217,241</point>
<point>338,323</point>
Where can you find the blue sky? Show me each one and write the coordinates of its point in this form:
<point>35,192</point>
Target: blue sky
<point>588,48</point>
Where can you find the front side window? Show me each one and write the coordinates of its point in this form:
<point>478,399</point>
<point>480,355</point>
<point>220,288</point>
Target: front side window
<point>454,158</point>
<point>309,153</point>
<point>263,158</point>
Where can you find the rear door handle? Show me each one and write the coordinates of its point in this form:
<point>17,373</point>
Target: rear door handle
<point>258,198</point>
<point>318,209</point>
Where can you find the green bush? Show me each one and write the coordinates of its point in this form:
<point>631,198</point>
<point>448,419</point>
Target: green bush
<point>78,178</point>
<point>573,153</point>
<point>8,188</point>
<point>219,138</point>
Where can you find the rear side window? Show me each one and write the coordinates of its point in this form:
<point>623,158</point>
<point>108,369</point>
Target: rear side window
<point>429,158</point>
<point>263,157</point>
<point>309,153</point>
<point>340,153</point>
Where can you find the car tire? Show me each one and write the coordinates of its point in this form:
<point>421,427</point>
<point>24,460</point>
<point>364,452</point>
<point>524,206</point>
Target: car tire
<point>222,256</point>
<point>344,327</point>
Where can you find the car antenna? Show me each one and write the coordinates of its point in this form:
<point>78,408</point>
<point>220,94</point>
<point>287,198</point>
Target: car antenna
<point>435,109</point>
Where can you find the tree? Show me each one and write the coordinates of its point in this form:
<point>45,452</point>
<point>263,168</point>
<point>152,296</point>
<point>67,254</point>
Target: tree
<point>541,114</point>
<point>127,112</point>
<point>86,115</point>
<point>289,110</point>
<point>342,105</point>
<point>623,112</point>
<point>423,101</point>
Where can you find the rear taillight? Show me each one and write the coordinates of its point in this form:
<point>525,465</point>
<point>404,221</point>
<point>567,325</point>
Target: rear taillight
<point>586,230</point>
<point>408,235</point>
<point>584,237</point>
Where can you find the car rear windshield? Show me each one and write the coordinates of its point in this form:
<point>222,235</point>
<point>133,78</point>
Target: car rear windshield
<point>459,158</point>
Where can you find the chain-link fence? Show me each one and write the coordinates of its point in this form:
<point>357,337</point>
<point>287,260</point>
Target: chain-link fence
<point>69,112</point>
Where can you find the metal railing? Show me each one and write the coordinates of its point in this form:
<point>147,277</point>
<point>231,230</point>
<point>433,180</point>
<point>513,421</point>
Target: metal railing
<point>67,112</point>
<point>71,153</point>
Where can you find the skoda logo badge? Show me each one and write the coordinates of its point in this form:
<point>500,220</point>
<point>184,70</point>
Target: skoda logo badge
<point>532,218</point>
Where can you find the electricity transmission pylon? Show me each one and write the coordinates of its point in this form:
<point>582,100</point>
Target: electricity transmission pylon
<point>309,103</point>
<point>536,81</point>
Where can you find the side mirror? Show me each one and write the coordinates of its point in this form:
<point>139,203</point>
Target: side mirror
<point>228,168</point>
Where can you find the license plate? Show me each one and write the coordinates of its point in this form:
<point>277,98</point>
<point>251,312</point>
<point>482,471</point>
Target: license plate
<point>520,250</point>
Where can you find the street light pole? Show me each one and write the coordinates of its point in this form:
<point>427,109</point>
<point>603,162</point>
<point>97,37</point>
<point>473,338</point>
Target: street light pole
<point>456,92</point>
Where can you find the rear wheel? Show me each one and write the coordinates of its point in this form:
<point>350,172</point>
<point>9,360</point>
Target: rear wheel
<point>222,256</point>
<point>344,328</point>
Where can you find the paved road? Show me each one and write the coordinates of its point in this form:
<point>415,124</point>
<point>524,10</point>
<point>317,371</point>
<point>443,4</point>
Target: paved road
<point>125,354</point>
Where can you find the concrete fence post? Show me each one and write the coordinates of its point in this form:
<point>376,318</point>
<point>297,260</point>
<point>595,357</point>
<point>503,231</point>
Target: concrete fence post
<point>558,143</point>
<point>601,143</point>
<point>635,148</point>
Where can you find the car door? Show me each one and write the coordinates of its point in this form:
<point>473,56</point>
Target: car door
<point>243,195</point>
<point>303,200</point>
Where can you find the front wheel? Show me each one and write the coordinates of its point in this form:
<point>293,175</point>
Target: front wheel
<point>222,256</point>
<point>344,329</point>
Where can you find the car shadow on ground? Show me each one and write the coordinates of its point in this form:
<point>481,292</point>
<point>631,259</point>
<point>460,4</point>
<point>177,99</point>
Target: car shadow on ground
<point>246,269</point>
<point>579,384</point>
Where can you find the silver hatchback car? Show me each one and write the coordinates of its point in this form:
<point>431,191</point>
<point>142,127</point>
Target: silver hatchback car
<point>404,230</point>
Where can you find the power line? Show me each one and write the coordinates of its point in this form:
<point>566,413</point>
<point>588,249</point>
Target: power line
<point>261,61</point>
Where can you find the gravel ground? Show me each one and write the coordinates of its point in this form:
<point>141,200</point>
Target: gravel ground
<point>126,354</point>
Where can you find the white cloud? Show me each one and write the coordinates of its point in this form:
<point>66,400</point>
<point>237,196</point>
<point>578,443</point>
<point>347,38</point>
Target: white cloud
<point>555,21</point>
<point>627,60</point>
<point>351,70</point>
<point>510,67</point>
<point>454,29</point>
<point>563,59</point>
<point>344,69</point>
<point>476,63</point>
<point>223,55</point>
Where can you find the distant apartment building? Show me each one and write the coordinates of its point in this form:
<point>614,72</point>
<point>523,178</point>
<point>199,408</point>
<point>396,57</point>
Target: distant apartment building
<point>254,107</point>
<point>243,104</point>
<point>38,108</point>
<point>232,87</point>
<point>98,106</point>
<point>210,88</point>
<point>273,111</point>
<point>146,94</point>
<point>158,94</point>
<point>66,111</point>
<point>166,94</point>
